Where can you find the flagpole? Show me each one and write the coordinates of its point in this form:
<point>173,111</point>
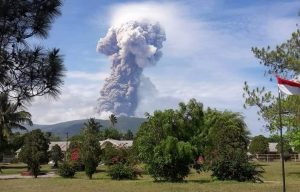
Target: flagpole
<point>281,142</point>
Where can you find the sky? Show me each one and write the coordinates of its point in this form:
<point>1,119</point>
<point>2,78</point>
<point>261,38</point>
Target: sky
<point>207,54</point>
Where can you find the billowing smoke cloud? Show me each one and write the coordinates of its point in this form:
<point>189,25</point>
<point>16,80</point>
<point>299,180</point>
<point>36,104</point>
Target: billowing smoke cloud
<point>131,47</point>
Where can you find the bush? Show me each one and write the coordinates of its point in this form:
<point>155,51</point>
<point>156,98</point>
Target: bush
<point>66,170</point>
<point>236,168</point>
<point>122,171</point>
<point>171,160</point>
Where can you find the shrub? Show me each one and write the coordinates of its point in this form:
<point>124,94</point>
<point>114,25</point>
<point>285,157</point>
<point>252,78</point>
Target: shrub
<point>122,171</point>
<point>171,160</point>
<point>236,168</point>
<point>66,170</point>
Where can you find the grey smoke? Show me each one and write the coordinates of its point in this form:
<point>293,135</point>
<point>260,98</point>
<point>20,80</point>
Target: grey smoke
<point>131,47</point>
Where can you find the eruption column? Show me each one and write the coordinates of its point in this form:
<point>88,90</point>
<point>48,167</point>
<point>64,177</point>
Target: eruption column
<point>131,47</point>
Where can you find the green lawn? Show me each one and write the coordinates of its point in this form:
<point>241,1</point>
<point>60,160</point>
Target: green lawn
<point>195,182</point>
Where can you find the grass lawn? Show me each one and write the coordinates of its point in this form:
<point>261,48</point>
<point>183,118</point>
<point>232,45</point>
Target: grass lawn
<point>195,182</point>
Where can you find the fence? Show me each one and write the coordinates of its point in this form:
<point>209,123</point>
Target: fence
<point>276,157</point>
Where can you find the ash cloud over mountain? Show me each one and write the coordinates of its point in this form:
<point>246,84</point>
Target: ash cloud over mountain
<point>131,47</point>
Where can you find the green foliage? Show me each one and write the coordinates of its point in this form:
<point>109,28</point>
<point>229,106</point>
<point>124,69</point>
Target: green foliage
<point>295,140</point>
<point>284,61</point>
<point>90,148</point>
<point>259,145</point>
<point>185,125</point>
<point>171,160</point>
<point>121,171</point>
<point>34,151</point>
<point>16,141</point>
<point>236,168</point>
<point>56,155</point>
<point>66,170</point>
<point>113,155</point>
<point>110,133</point>
<point>11,117</point>
<point>28,71</point>
<point>128,135</point>
<point>274,138</point>
<point>226,151</point>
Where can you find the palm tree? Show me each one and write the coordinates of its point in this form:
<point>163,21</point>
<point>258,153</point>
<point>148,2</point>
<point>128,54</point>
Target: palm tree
<point>113,120</point>
<point>11,117</point>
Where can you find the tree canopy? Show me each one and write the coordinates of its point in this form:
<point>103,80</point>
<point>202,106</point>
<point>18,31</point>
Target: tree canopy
<point>168,140</point>
<point>259,145</point>
<point>90,148</point>
<point>34,151</point>
<point>27,71</point>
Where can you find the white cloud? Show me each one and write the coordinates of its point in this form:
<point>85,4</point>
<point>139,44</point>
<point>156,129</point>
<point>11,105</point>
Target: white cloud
<point>76,102</point>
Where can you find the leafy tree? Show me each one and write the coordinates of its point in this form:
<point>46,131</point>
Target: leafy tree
<point>16,141</point>
<point>128,135</point>
<point>73,152</point>
<point>113,120</point>
<point>185,126</point>
<point>90,149</point>
<point>56,155</point>
<point>226,151</point>
<point>110,133</point>
<point>259,145</point>
<point>11,117</point>
<point>274,138</point>
<point>171,160</point>
<point>112,155</point>
<point>34,151</point>
<point>295,140</point>
<point>27,71</point>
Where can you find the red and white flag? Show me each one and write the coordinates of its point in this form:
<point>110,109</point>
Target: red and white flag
<point>288,87</point>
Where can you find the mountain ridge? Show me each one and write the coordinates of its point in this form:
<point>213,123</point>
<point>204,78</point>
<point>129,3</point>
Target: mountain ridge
<point>73,127</point>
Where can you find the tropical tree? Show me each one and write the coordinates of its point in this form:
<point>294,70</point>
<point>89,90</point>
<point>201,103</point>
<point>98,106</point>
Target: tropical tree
<point>11,117</point>
<point>90,149</point>
<point>56,155</point>
<point>28,71</point>
<point>259,145</point>
<point>34,151</point>
<point>113,120</point>
<point>171,138</point>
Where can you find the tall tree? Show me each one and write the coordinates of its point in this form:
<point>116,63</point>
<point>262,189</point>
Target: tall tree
<point>27,71</point>
<point>113,120</point>
<point>34,151</point>
<point>11,117</point>
<point>226,152</point>
<point>56,155</point>
<point>90,149</point>
<point>259,145</point>
<point>283,60</point>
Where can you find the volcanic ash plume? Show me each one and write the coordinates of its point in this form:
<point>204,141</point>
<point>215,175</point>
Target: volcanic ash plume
<point>131,47</point>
